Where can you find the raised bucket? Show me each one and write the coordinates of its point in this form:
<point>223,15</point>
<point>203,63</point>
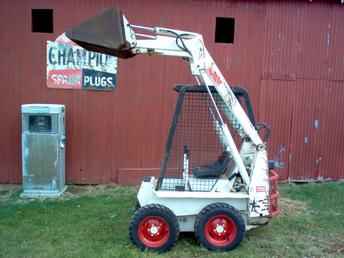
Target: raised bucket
<point>103,33</point>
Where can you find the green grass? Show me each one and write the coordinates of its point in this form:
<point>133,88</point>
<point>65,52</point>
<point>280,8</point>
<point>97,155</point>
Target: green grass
<point>95,224</point>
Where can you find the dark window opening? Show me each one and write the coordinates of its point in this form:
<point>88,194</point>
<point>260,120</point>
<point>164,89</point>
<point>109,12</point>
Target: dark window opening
<point>224,30</point>
<point>42,20</point>
<point>40,123</point>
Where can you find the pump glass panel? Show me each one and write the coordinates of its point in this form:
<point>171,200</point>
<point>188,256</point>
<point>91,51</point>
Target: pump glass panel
<point>40,123</point>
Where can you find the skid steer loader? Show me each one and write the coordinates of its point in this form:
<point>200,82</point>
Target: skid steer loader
<point>207,185</point>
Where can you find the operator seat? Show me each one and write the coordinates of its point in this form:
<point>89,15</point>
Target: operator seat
<point>214,169</point>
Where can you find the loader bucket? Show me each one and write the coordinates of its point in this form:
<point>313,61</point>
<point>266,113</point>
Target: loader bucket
<point>103,33</point>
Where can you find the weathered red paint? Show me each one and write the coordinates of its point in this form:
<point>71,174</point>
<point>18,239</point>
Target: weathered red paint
<point>215,77</point>
<point>288,54</point>
<point>274,194</point>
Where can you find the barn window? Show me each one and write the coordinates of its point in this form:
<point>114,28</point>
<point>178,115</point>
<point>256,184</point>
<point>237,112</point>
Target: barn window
<point>224,30</point>
<point>42,20</point>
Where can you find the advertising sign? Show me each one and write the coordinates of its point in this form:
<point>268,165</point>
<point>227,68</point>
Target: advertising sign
<point>71,67</point>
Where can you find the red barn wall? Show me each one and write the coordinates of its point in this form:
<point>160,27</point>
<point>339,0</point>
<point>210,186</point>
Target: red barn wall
<point>288,54</point>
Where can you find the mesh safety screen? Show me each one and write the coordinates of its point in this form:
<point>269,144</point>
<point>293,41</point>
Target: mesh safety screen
<point>197,128</point>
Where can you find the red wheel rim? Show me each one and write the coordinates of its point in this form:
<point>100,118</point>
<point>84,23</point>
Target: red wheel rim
<point>220,230</point>
<point>153,231</point>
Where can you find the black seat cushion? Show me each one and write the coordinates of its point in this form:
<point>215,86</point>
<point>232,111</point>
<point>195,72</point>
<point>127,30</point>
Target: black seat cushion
<point>214,169</point>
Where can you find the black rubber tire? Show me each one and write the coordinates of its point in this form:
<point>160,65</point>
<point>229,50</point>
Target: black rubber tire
<point>137,206</point>
<point>217,209</point>
<point>156,210</point>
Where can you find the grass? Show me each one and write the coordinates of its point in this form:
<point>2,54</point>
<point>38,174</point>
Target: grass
<point>93,222</point>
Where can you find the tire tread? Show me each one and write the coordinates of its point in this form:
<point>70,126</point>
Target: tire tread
<point>146,211</point>
<point>211,208</point>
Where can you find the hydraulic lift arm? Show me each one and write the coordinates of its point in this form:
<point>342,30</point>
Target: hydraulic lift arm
<point>111,33</point>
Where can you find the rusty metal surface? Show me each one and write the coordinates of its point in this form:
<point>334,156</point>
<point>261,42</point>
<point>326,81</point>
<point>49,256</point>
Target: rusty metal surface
<point>103,33</point>
<point>276,108</point>
<point>336,51</point>
<point>302,67</point>
<point>288,54</point>
<point>304,142</point>
<point>331,142</point>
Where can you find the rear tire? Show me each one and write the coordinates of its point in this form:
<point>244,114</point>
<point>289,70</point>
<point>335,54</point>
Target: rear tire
<point>219,227</point>
<point>154,227</point>
<point>137,206</point>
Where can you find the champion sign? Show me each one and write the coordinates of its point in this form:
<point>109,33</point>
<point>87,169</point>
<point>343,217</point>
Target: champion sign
<point>71,67</point>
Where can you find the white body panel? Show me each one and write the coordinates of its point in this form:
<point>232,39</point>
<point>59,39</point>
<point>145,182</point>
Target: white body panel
<point>186,205</point>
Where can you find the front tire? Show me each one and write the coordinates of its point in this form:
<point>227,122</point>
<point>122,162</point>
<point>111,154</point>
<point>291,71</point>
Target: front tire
<point>154,227</point>
<point>219,227</point>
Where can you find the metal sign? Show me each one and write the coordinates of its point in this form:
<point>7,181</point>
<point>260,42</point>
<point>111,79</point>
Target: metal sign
<point>71,67</point>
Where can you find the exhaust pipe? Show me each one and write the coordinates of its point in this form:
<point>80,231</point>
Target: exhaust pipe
<point>103,33</point>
